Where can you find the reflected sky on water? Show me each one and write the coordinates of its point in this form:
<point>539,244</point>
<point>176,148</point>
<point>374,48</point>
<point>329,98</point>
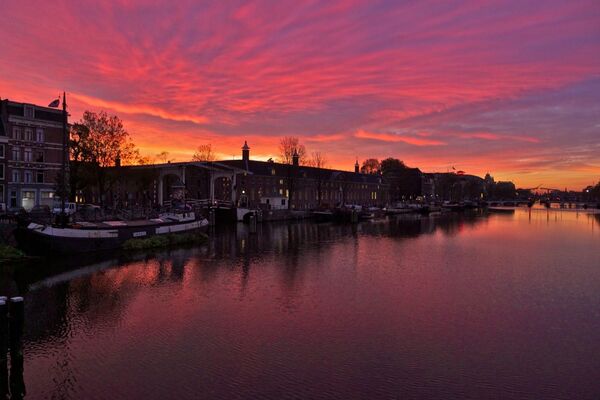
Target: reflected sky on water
<point>453,306</point>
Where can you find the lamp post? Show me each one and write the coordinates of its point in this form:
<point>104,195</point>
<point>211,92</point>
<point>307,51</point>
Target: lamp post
<point>65,155</point>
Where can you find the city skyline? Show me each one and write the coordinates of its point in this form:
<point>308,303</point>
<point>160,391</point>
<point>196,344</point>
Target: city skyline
<point>511,88</point>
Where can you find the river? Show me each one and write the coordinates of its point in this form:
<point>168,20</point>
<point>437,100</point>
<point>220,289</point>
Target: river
<point>455,306</point>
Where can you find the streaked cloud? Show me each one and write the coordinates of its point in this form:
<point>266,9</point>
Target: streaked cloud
<point>394,138</point>
<point>509,87</point>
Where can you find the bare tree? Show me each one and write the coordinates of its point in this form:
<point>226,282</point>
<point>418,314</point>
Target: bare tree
<point>287,146</point>
<point>370,166</point>
<point>145,160</point>
<point>204,152</point>
<point>163,157</point>
<point>317,160</point>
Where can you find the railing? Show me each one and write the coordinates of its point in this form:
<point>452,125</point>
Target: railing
<point>202,203</point>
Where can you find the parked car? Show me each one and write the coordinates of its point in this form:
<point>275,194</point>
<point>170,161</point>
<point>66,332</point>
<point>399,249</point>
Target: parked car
<point>14,211</point>
<point>89,207</point>
<point>41,210</point>
<point>70,208</point>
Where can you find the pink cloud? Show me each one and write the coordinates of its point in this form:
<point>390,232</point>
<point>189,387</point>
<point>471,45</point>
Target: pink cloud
<point>184,73</point>
<point>396,138</point>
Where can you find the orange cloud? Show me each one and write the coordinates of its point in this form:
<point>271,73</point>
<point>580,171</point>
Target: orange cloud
<point>138,109</point>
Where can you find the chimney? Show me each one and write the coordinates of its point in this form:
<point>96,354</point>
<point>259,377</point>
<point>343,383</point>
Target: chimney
<point>295,158</point>
<point>356,168</point>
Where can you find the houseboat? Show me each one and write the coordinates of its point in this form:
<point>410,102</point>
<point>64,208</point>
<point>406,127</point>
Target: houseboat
<point>81,237</point>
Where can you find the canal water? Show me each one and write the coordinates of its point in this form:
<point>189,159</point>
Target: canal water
<point>503,306</point>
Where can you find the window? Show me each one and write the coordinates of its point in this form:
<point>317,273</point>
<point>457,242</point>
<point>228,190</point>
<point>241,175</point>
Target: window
<point>1,175</point>
<point>46,198</point>
<point>29,112</point>
<point>281,181</point>
<point>16,154</point>
<point>39,177</point>
<point>15,176</point>
<point>39,135</point>
<point>272,171</point>
<point>28,134</point>
<point>283,202</point>
<point>27,176</point>
<point>16,133</point>
<point>27,155</point>
<point>27,199</point>
<point>2,151</point>
<point>39,156</point>
<point>1,193</point>
<point>13,198</point>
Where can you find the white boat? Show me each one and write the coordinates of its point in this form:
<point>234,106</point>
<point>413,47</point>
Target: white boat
<point>107,235</point>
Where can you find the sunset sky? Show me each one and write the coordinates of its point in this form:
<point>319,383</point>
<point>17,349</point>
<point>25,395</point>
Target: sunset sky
<point>509,87</point>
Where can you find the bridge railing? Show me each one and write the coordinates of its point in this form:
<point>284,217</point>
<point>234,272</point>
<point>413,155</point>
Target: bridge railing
<point>199,203</point>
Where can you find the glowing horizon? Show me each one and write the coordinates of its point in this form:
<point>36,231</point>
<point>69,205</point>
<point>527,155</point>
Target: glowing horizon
<point>510,88</point>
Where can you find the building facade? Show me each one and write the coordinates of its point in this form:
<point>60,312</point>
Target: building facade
<point>33,151</point>
<point>244,183</point>
<point>3,163</point>
<point>303,187</point>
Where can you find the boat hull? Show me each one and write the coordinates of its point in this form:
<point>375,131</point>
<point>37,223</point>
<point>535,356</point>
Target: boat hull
<point>42,240</point>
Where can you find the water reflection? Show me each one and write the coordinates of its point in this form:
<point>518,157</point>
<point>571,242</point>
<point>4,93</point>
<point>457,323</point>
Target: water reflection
<point>385,307</point>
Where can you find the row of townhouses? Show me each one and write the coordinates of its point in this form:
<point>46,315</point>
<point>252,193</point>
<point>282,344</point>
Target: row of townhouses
<point>31,152</point>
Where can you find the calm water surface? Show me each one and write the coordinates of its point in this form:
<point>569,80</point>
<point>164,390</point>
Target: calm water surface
<point>448,307</point>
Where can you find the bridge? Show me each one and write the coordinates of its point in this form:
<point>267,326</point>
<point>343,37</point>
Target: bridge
<point>178,170</point>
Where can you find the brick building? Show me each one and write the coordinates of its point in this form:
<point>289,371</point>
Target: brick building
<point>302,186</point>
<point>244,182</point>
<point>3,163</point>
<point>33,151</point>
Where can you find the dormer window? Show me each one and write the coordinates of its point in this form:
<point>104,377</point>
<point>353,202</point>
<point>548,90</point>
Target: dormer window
<point>29,112</point>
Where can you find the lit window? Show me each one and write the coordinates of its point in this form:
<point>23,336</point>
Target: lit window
<point>272,171</point>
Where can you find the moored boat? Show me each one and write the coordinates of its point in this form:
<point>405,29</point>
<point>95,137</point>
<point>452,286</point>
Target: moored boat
<point>453,206</point>
<point>82,237</point>
<point>505,210</point>
<point>322,215</point>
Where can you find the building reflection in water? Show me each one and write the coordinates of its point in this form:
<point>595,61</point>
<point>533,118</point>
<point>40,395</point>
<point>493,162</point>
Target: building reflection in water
<point>103,290</point>
<point>99,297</point>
